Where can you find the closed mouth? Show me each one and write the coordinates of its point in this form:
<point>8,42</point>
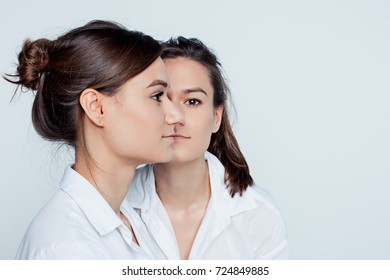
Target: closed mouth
<point>176,136</point>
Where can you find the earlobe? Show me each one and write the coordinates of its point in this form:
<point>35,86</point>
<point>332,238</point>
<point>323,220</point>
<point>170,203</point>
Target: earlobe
<point>91,102</point>
<point>218,113</point>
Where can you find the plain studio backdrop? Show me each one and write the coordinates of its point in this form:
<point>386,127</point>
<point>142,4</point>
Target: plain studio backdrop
<point>310,82</point>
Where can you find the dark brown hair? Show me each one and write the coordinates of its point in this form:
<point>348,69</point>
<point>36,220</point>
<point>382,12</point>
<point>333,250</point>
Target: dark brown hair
<point>223,143</point>
<point>101,55</point>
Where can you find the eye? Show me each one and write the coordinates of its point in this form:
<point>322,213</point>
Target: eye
<point>157,96</point>
<point>193,102</point>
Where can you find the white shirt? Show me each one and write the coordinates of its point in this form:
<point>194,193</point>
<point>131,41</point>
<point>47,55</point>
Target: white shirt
<point>78,223</point>
<point>244,227</point>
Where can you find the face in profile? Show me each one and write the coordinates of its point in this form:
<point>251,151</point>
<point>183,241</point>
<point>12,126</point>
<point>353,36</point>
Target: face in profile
<point>191,91</point>
<point>140,116</point>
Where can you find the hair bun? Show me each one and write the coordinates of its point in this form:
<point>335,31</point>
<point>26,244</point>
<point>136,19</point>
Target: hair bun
<point>33,61</point>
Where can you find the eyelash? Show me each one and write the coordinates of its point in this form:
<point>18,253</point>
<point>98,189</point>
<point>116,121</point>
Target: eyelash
<point>157,96</point>
<point>198,102</point>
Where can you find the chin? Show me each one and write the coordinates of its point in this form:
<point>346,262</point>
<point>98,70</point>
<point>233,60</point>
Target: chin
<point>164,157</point>
<point>160,157</point>
<point>185,156</point>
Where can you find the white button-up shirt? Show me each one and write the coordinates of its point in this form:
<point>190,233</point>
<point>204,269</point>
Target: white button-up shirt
<point>78,223</point>
<point>244,227</point>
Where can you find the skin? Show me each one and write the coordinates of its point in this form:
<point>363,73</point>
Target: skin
<point>183,183</point>
<point>124,130</point>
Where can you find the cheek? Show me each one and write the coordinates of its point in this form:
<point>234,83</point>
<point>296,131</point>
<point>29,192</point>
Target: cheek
<point>146,121</point>
<point>137,134</point>
<point>133,124</point>
<point>201,124</point>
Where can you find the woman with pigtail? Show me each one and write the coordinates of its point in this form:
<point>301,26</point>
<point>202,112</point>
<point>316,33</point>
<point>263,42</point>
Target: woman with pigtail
<point>203,204</point>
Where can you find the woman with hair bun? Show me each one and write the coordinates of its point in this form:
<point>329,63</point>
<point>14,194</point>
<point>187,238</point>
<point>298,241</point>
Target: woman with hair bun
<point>203,203</point>
<point>101,89</point>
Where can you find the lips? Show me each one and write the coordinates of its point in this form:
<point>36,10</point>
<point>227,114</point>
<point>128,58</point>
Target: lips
<point>176,137</point>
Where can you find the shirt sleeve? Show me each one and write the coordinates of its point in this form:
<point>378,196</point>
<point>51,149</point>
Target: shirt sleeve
<point>269,229</point>
<point>276,247</point>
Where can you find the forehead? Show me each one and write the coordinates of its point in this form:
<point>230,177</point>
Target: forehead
<point>184,73</point>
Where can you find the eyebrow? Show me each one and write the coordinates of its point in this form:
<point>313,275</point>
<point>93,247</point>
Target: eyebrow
<point>196,89</point>
<point>158,83</point>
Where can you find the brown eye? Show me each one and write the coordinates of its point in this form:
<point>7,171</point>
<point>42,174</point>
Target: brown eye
<point>193,102</point>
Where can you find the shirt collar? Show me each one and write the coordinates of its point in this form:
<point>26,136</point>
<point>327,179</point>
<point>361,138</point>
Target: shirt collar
<point>142,190</point>
<point>94,206</point>
<point>220,196</point>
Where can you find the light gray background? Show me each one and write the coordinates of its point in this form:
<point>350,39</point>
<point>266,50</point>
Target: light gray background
<point>310,81</point>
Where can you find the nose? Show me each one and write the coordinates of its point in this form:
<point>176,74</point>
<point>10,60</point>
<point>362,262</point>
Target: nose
<point>173,115</point>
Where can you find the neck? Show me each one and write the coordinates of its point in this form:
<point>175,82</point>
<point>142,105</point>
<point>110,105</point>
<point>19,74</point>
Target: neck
<point>111,179</point>
<point>183,185</point>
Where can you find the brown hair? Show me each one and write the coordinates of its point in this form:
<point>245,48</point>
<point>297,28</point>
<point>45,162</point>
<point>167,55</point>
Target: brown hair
<point>101,55</point>
<point>223,143</point>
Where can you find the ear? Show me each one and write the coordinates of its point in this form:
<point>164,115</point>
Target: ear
<point>91,102</point>
<point>218,112</point>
